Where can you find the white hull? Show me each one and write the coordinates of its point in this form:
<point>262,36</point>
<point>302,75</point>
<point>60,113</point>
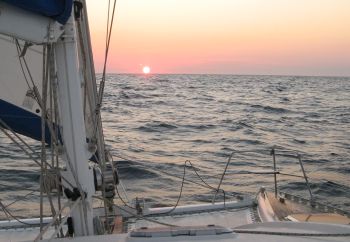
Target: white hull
<point>242,220</point>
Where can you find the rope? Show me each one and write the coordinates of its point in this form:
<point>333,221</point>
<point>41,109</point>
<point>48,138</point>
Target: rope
<point>183,180</point>
<point>160,170</point>
<point>178,199</point>
<point>182,185</point>
<point>209,186</point>
<point>180,194</point>
<point>121,199</point>
<point>203,184</point>
<point>137,215</point>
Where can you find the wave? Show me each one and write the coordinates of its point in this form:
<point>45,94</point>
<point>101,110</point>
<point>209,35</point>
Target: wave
<point>200,117</point>
<point>132,95</point>
<point>129,170</point>
<point>200,126</point>
<point>156,126</point>
<point>270,109</point>
<point>22,177</point>
<point>329,188</point>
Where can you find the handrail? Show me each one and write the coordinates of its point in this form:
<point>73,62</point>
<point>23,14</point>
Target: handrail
<point>274,168</point>
<point>305,177</point>
<point>275,172</point>
<point>298,157</point>
<point>222,177</point>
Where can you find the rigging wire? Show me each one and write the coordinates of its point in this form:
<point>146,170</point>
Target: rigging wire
<point>97,109</point>
<point>108,40</point>
<point>34,88</point>
<point>21,64</point>
<point>7,211</point>
<point>3,125</point>
<point>20,199</point>
<point>108,15</point>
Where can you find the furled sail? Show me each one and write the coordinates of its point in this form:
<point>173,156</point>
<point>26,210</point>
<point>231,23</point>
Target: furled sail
<point>60,10</point>
<point>21,68</point>
<point>48,79</point>
<point>21,79</point>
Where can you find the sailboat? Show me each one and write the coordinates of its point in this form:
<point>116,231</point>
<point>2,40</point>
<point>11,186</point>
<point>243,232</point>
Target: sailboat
<point>49,94</point>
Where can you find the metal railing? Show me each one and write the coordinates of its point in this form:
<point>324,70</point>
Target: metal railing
<point>274,172</point>
<point>298,157</point>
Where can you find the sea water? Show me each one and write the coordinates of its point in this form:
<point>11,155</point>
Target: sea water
<point>154,124</point>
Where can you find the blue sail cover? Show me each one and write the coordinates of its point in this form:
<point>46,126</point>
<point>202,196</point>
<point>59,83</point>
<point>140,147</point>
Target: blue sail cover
<point>60,10</point>
<point>22,121</point>
<point>28,124</point>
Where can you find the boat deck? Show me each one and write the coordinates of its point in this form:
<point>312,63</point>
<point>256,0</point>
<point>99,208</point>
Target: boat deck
<point>228,218</point>
<point>301,210</point>
<point>284,207</point>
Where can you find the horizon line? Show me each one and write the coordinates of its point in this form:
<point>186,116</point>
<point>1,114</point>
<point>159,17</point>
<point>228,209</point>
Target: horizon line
<point>223,74</point>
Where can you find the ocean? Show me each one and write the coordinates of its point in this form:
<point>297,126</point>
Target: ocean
<point>154,124</point>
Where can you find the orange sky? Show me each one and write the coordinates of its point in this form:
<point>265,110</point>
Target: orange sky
<point>292,37</point>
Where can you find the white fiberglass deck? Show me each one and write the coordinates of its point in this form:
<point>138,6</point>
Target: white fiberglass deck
<point>264,232</point>
<point>22,234</point>
<point>226,218</point>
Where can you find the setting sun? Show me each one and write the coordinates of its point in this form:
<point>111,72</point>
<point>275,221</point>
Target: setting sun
<point>146,69</point>
<point>225,37</point>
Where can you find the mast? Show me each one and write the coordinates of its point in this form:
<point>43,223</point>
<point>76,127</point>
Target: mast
<point>73,127</point>
<point>60,32</point>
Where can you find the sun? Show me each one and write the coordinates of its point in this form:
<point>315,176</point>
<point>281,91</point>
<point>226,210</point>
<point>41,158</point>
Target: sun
<point>146,70</point>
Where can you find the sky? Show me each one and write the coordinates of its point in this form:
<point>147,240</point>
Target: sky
<point>267,37</point>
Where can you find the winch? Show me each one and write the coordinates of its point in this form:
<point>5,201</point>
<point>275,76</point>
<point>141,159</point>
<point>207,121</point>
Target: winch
<point>107,178</point>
